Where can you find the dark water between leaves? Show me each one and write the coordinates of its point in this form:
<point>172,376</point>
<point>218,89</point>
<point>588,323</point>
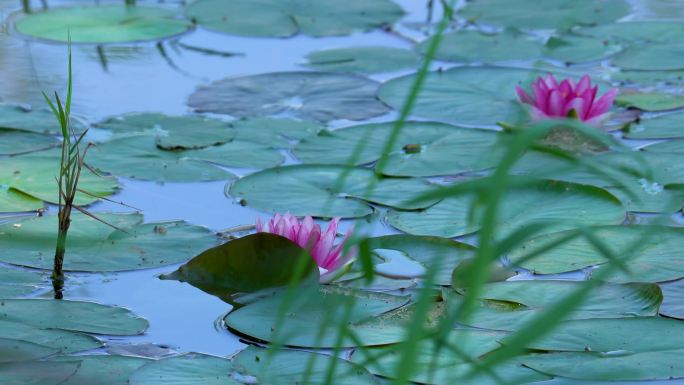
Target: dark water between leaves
<point>115,79</point>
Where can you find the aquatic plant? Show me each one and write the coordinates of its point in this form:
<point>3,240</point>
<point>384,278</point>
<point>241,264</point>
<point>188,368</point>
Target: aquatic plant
<point>551,99</point>
<point>309,235</point>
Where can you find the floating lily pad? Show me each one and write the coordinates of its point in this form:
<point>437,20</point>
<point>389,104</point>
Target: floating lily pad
<point>16,142</point>
<point>649,78</point>
<point>655,258</point>
<point>12,350</point>
<point>673,302</point>
<point>61,340</point>
<point>421,149</point>
<point>23,118</point>
<point>94,246</point>
<point>173,132</point>
<point>12,200</point>
<point>273,18</point>
<point>675,146</point>
<point>139,157</point>
<point>659,127</point>
<point>250,263</point>
<point>440,364</point>
<point>473,46</point>
<point>113,23</point>
<point>578,49</point>
<point>651,57</point>
<point>650,101</point>
<point>312,316</point>
<point>550,14</point>
<point>187,369</point>
<point>290,367</point>
<point>87,317</point>
<point>325,191</point>
<point>431,252</point>
<point>274,133</point>
<point>36,372</point>
<point>466,95</point>
<point>372,59</point>
<point>317,96</point>
<point>634,32</point>
<point>34,175</point>
<point>560,205</point>
<point>102,369</point>
<point>15,283</point>
<point>645,348</point>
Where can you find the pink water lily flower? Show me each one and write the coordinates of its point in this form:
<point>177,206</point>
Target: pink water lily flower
<point>309,235</point>
<point>554,100</point>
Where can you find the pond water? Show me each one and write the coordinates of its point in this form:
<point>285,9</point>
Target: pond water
<point>116,79</point>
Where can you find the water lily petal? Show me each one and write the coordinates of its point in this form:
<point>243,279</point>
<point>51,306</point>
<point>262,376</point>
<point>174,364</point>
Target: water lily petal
<point>604,103</point>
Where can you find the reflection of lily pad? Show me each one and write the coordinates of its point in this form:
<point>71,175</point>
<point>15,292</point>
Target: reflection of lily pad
<point>17,142</point>
<point>34,174</point>
<point>560,205</point>
<point>93,246</point>
<point>325,191</point>
<point>441,149</point>
<point>315,96</point>
<point>362,59</point>
<point>659,127</point>
<point>475,96</point>
<point>655,259</point>
<point>283,19</point>
<point>78,316</point>
<point>473,46</point>
<point>102,24</point>
<point>645,348</point>
<point>547,14</point>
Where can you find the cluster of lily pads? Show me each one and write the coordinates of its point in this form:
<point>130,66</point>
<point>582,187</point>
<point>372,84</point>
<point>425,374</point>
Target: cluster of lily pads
<point>616,334</point>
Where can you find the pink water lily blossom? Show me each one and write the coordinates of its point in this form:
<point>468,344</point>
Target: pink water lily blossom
<point>551,99</point>
<point>308,235</point>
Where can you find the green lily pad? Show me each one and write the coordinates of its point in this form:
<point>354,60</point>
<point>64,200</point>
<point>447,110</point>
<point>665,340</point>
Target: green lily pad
<point>674,146</point>
<point>673,302</point>
<point>560,205</point>
<point>650,101</point>
<point>635,32</point>
<point>655,259</point>
<point>273,18</point>
<point>139,157</point>
<point>466,95</point>
<point>372,59</point>
<point>473,46</point>
<point>643,181</point>
<point>292,367</point>
<point>113,23</point>
<point>12,350</point>
<point>173,132</point>
<point>644,348</point>
<point>275,133</point>
<point>578,49</point>
<point>94,246</point>
<point>433,252</point>
<point>319,190</point>
<point>659,127</point>
<point>317,96</point>
<point>16,283</point>
<point>102,369</point>
<point>511,305</point>
<point>421,149</point>
<point>23,118</point>
<point>187,369</point>
<point>549,14</point>
<point>246,264</point>
<point>77,316</point>
<point>34,175</point>
<point>440,364</point>
<point>16,142</point>
<point>312,316</point>
<point>649,78</point>
<point>36,372</point>
<point>61,340</point>
<point>651,57</point>
<point>15,201</point>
